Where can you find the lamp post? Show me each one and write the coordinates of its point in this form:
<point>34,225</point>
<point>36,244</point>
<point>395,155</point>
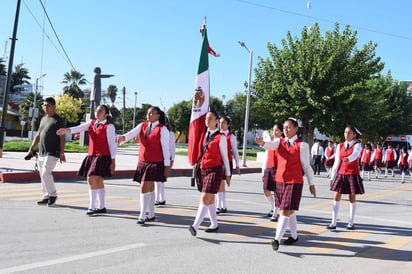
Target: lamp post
<point>134,110</point>
<point>34,113</point>
<point>242,44</point>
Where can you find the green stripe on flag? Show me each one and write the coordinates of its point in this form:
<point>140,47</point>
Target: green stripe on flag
<point>204,58</point>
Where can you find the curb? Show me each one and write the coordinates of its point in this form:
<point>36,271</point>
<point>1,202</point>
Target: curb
<point>23,177</point>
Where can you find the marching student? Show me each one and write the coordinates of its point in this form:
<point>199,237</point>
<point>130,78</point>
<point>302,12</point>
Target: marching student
<point>154,159</point>
<point>329,157</point>
<point>160,198</point>
<point>292,158</point>
<point>377,162</point>
<point>268,174</point>
<point>345,177</point>
<point>367,160</point>
<point>403,163</point>
<point>224,125</point>
<point>389,159</point>
<point>100,160</point>
<point>210,173</point>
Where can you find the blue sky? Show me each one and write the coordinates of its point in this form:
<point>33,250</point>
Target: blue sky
<point>153,47</point>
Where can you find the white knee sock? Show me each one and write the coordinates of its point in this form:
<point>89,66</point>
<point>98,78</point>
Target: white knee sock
<point>212,215</point>
<point>224,199</point>
<point>275,211</point>
<point>151,206</point>
<point>270,200</point>
<point>281,227</point>
<point>157,191</point>
<point>200,215</point>
<point>144,202</point>
<point>162,196</point>
<point>92,198</point>
<point>335,211</point>
<point>352,210</point>
<point>219,199</point>
<point>403,176</point>
<point>293,226</point>
<point>101,194</point>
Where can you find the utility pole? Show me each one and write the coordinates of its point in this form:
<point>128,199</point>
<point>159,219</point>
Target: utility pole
<point>124,107</point>
<point>8,81</point>
<point>134,110</point>
<point>34,112</point>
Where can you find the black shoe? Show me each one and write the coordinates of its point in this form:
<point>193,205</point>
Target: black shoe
<point>52,200</point>
<point>90,211</point>
<point>152,219</point>
<point>157,203</point>
<point>161,203</point>
<point>270,214</point>
<point>218,210</point>
<point>141,221</point>
<point>210,230</point>
<point>45,201</point>
<point>192,230</point>
<point>274,218</point>
<point>290,241</point>
<point>350,227</point>
<point>331,227</point>
<point>101,210</point>
<point>275,244</point>
<point>223,210</point>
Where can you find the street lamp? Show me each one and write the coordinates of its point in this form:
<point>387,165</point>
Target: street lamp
<point>134,111</point>
<point>242,44</point>
<point>34,111</point>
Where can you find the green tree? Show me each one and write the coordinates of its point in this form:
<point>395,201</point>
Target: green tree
<point>112,93</point>
<point>69,108</point>
<point>25,105</point>
<point>19,76</point>
<point>321,81</point>
<point>179,117</point>
<point>73,81</point>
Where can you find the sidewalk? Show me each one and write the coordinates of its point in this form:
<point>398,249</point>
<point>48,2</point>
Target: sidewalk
<point>13,167</point>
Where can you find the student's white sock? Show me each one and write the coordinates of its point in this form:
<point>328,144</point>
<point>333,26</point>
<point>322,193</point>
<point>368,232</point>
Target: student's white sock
<point>335,211</point>
<point>150,205</point>
<point>92,198</point>
<point>403,176</point>
<point>219,199</point>
<point>293,225</point>
<point>144,201</point>
<point>224,199</point>
<point>352,210</point>
<point>213,216</point>
<point>162,196</point>
<point>200,215</point>
<point>101,194</point>
<point>281,227</point>
<point>270,200</point>
<point>157,191</point>
<point>275,211</point>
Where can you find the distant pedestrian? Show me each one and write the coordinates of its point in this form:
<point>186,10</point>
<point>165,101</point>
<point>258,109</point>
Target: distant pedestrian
<point>269,167</point>
<point>367,161</point>
<point>403,163</point>
<point>317,152</point>
<point>100,161</point>
<point>377,162</point>
<point>389,160</point>
<point>329,157</point>
<point>224,125</point>
<point>292,158</point>
<point>345,177</point>
<point>154,159</point>
<point>51,150</point>
<point>210,172</point>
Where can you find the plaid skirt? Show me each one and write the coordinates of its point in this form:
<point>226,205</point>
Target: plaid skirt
<point>288,196</point>
<point>209,179</point>
<point>348,184</point>
<point>390,164</point>
<point>367,167</point>
<point>377,162</point>
<point>95,166</point>
<point>269,179</point>
<point>148,171</point>
<point>329,163</point>
<point>404,168</point>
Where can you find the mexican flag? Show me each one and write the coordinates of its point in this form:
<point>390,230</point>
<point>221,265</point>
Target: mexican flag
<point>200,102</point>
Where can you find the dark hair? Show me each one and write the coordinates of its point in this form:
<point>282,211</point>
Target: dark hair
<point>294,121</point>
<point>228,121</point>
<point>217,117</point>
<point>167,122</point>
<point>50,100</point>
<point>354,130</point>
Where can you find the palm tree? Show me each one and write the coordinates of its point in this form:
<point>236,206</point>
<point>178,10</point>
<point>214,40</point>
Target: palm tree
<point>20,76</point>
<point>27,102</point>
<point>112,93</point>
<point>74,80</point>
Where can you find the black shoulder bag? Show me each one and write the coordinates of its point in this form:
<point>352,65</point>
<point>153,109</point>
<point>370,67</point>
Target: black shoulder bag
<point>196,167</point>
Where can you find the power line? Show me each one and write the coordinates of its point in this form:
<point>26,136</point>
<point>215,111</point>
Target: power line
<point>57,37</point>
<point>323,19</point>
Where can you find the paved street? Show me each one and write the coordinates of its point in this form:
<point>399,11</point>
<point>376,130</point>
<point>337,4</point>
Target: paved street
<point>63,239</point>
